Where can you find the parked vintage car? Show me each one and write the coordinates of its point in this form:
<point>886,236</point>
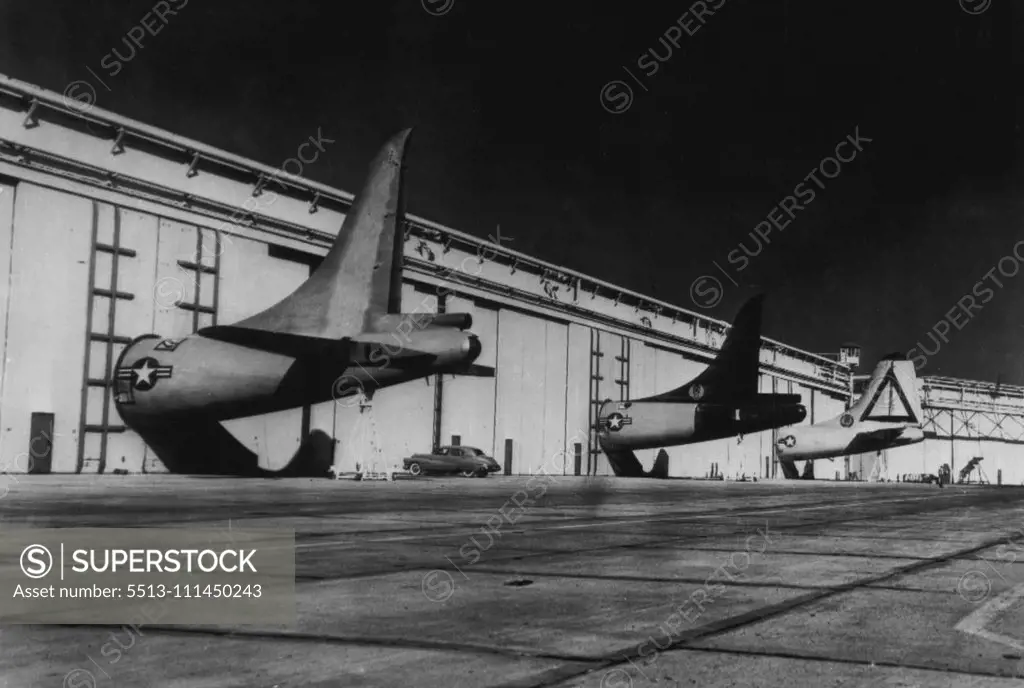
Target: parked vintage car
<point>466,461</point>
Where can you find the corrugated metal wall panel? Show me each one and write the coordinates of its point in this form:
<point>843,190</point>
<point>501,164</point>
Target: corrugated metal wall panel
<point>47,321</point>
<point>1004,457</point>
<point>909,459</point>
<point>520,390</point>
<point>136,275</point>
<point>554,459</point>
<point>7,194</point>
<point>577,395</point>
<point>530,407</point>
<point>251,280</point>
<point>467,408</point>
<point>176,241</point>
<point>411,401</point>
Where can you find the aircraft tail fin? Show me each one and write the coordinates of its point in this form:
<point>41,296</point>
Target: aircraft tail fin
<point>660,468</point>
<point>789,470</point>
<point>360,279</point>
<point>892,393</point>
<point>624,463</point>
<point>733,374</point>
<point>199,445</point>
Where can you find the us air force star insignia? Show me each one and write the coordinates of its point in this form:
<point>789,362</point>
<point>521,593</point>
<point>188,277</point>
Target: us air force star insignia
<point>787,441</point>
<point>846,420</point>
<point>615,421</point>
<point>697,392</point>
<point>144,373</point>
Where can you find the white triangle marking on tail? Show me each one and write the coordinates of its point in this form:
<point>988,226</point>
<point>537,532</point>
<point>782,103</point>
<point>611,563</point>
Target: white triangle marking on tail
<point>895,407</point>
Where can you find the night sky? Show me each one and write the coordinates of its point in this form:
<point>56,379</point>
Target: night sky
<point>511,129</point>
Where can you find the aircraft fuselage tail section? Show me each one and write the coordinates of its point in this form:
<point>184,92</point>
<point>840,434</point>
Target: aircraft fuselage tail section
<point>887,415</point>
<point>340,333</point>
<point>721,402</point>
<point>651,424</point>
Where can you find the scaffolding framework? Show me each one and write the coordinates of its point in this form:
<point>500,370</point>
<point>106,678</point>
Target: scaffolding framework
<point>969,410</point>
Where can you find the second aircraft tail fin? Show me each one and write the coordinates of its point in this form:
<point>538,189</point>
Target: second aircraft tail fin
<point>892,394</point>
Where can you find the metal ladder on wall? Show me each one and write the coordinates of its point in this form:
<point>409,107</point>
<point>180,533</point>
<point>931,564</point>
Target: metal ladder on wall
<point>594,448</point>
<point>104,288</point>
<point>102,333</point>
<point>622,381</point>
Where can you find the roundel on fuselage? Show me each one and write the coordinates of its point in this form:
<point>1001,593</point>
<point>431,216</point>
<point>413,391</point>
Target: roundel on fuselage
<point>846,420</point>
<point>697,392</point>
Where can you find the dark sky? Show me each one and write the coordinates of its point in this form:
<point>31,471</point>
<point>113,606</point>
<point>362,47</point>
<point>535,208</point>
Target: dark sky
<point>510,130</point>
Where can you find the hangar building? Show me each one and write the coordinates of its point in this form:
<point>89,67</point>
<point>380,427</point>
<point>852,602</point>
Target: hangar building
<point>111,229</point>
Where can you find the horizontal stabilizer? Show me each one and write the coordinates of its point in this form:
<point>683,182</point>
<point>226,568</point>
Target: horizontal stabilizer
<point>401,361</point>
<point>883,434</point>
<point>476,370</point>
<point>871,440</point>
<point>294,345</point>
<point>406,322</point>
<point>780,399</point>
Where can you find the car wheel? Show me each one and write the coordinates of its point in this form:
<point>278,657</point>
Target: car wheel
<point>415,468</point>
<point>467,474</point>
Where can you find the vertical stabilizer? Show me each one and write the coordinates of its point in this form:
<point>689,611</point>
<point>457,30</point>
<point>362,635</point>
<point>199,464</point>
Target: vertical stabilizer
<point>360,278</point>
<point>891,395</point>
<point>660,467</point>
<point>733,375</point>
